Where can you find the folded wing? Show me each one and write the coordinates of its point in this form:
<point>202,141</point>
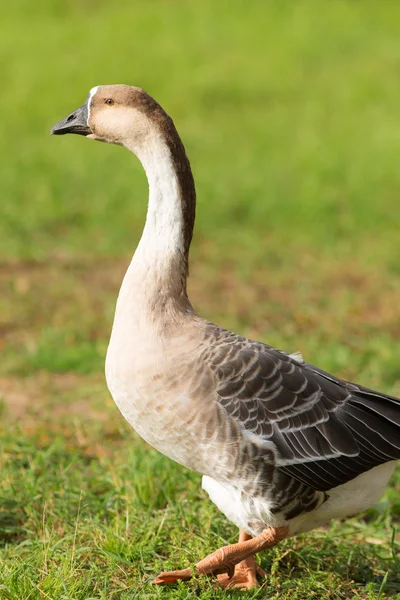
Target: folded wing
<point>326,431</point>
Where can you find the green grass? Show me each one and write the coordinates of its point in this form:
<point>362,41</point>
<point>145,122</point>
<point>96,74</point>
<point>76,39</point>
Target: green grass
<point>290,115</point>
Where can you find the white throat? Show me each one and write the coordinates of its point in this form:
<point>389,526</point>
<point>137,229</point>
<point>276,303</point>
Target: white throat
<point>162,237</point>
<point>154,286</point>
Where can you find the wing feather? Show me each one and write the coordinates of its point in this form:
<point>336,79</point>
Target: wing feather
<point>326,430</point>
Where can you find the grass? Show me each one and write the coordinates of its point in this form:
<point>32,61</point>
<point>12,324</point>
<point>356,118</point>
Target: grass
<point>290,116</point>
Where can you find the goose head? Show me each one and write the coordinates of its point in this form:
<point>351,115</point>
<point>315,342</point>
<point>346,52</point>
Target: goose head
<point>116,114</point>
<point>129,117</point>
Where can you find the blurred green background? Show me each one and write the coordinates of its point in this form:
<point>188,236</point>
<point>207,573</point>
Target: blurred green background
<point>289,112</point>
<point>290,116</point>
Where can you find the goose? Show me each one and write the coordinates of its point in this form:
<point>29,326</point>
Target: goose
<point>283,446</point>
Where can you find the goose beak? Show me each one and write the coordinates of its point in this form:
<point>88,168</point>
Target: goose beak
<point>76,122</point>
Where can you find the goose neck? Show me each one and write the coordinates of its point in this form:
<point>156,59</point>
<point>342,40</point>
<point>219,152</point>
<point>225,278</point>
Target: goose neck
<point>160,263</point>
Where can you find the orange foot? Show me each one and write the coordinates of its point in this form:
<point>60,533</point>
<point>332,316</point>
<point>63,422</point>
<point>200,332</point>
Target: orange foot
<point>236,562</point>
<point>245,575</point>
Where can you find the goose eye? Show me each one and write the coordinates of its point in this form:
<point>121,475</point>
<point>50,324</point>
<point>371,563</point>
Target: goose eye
<point>109,101</point>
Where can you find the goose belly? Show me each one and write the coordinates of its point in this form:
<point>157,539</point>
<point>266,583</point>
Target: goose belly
<point>251,514</point>
<point>347,500</point>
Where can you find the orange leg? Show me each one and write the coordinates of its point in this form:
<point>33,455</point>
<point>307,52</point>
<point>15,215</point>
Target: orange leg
<point>226,558</point>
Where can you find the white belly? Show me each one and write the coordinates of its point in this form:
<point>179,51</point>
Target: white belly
<point>347,500</point>
<point>250,514</point>
<point>254,514</point>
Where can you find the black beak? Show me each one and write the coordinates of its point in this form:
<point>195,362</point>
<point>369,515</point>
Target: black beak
<point>76,122</point>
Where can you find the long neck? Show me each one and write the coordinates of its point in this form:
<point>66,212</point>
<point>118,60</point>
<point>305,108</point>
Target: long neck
<point>159,268</point>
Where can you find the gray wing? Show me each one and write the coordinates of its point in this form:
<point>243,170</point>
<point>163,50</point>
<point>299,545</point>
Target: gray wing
<point>326,431</point>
